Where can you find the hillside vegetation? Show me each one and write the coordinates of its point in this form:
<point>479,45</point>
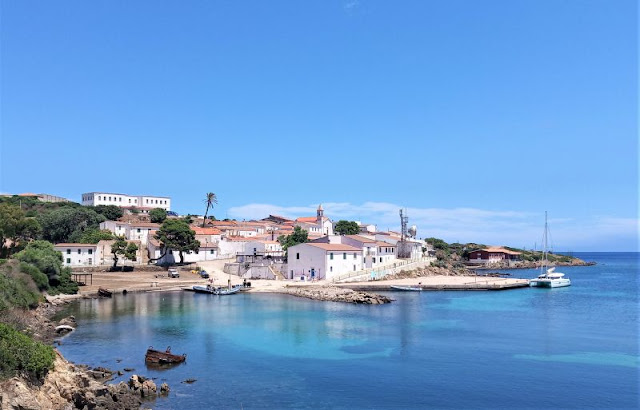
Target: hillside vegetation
<point>457,253</point>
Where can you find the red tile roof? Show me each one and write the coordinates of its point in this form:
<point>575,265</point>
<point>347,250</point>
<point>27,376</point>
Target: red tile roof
<point>75,245</point>
<point>206,231</point>
<point>360,238</point>
<point>334,247</point>
<point>307,219</point>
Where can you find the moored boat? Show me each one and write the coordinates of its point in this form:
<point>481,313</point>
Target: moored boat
<point>548,278</point>
<point>216,290</point>
<point>407,288</point>
<point>160,357</point>
<point>104,292</point>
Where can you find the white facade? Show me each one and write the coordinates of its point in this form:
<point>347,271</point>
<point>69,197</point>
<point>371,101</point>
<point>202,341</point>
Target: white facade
<point>312,260</point>
<point>264,247</point>
<point>230,247</point>
<point>78,254</point>
<point>137,231</point>
<point>205,253</point>
<point>126,201</point>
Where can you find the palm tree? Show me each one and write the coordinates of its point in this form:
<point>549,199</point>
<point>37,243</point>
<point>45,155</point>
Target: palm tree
<point>211,199</point>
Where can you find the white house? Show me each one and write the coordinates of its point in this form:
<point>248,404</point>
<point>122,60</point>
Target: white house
<point>263,247</point>
<point>207,235</point>
<point>134,231</point>
<point>126,201</point>
<point>206,252</point>
<point>230,246</point>
<point>316,260</point>
<point>78,254</point>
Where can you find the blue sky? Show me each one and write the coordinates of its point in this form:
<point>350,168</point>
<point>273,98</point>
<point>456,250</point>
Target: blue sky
<point>475,115</point>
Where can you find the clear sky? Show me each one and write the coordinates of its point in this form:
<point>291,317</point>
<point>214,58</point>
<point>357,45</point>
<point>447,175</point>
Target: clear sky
<point>475,115</point>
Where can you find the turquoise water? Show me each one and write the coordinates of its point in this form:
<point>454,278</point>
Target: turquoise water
<point>574,347</point>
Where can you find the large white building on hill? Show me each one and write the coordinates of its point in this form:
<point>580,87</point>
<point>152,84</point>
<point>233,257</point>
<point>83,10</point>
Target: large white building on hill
<point>126,201</point>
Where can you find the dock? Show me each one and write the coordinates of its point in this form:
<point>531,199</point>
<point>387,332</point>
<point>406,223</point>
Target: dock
<point>479,285</point>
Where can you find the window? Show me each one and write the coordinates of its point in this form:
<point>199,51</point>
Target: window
<point>297,257</point>
<point>68,251</point>
<point>129,200</point>
<point>330,268</point>
<point>138,230</point>
<point>99,197</point>
<point>354,267</point>
<point>344,255</point>
<point>331,256</point>
<point>147,201</point>
<point>355,255</point>
<point>379,249</point>
<point>90,251</point>
<point>120,199</point>
<point>381,259</point>
<point>69,260</point>
<point>79,251</point>
<point>109,198</point>
<point>211,251</point>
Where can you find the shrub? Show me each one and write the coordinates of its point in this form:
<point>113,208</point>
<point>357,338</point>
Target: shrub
<point>17,289</point>
<point>19,354</point>
<point>38,277</point>
<point>66,285</point>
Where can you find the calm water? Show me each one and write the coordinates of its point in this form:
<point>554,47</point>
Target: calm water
<point>572,347</point>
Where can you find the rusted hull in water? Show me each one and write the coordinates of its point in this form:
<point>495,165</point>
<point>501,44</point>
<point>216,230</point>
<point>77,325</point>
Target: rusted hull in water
<point>166,357</point>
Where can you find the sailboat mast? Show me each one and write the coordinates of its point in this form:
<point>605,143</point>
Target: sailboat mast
<point>544,243</point>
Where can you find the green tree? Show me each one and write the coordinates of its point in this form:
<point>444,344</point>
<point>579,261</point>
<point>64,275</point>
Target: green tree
<point>130,251</point>
<point>91,235</point>
<point>346,228</point>
<point>176,234</point>
<point>15,229</point>
<point>210,200</point>
<point>158,215</point>
<point>58,224</point>
<point>298,236</point>
<point>111,212</point>
<point>118,248</point>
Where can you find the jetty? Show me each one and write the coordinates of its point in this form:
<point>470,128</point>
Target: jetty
<point>440,282</point>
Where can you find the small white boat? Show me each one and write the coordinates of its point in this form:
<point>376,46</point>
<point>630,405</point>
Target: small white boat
<point>550,279</point>
<point>215,290</point>
<point>407,288</point>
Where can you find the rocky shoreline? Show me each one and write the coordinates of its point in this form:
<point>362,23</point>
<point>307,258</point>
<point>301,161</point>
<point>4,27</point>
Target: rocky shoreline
<point>336,294</point>
<point>70,386</point>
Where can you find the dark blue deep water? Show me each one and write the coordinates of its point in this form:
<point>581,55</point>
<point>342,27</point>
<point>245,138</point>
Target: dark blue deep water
<point>574,347</point>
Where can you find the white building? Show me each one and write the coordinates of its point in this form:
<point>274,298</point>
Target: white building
<point>206,252</point>
<point>78,254</point>
<point>318,225</point>
<point>315,260</point>
<point>142,202</point>
<point>134,231</point>
<point>263,247</point>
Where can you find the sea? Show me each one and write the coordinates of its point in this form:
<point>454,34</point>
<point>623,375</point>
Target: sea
<point>573,347</point>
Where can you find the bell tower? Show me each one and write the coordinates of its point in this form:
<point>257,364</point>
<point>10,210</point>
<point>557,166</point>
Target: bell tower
<point>320,214</point>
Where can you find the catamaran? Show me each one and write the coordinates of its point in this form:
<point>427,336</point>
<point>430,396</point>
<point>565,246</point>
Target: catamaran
<point>549,278</point>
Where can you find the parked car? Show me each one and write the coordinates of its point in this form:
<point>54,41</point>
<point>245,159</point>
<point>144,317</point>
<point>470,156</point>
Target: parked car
<point>173,273</point>
<point>204,274</point>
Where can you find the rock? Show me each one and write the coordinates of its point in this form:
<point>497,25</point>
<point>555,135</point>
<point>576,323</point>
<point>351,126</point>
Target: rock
<point>164,389</point>
<point>189,381</point>
<point>135,383</point>
<point>129,369</point>
<point>149,388</point>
